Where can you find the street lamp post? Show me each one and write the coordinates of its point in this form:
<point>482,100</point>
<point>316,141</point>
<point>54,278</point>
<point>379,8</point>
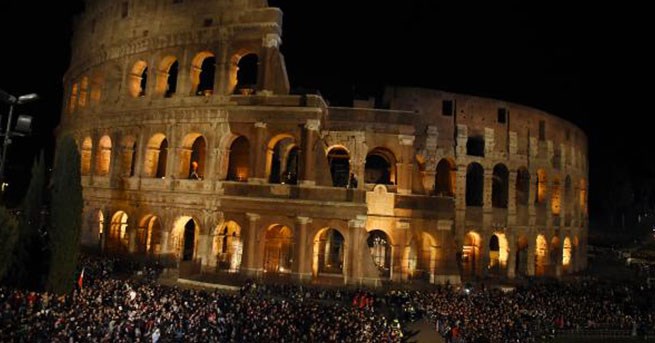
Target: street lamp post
<point>23,125</point>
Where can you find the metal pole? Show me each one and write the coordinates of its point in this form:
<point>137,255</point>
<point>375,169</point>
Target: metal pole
<point>5,143</point>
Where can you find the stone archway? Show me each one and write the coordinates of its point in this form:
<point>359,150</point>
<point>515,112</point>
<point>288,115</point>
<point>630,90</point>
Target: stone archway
<point>278,249</point>
<point>470,254</point>
<point>329,252</point>
<point>183,242</point>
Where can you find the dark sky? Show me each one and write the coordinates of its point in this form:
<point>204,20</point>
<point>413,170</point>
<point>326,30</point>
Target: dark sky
<point>584,64</point>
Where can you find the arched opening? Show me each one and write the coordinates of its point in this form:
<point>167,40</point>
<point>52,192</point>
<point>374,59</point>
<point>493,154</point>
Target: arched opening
<point>380,248</point>
<point>239,165</point>
<point>380,167</point>
<point>184,238</point>
<point>498,253</point>
<point>555,200</point>
<point>138,79</point>
<point>84,88</point>
<point>427,259</point>
<point>192,157</point>
<point>329,252</point>
<point>202,74</point>
<point>167,78</point>
<point>522,186</point>
<point>228,247</point>
<point>85,156</point>
<point>444,183</point>
<point>291,170</point>
<point>339,161</point>
<point>566,255</point>
<point>149,235</point>
<point>246,75</point>
<point>474,184</point>
<point>129,156</point>
<point>470,253</point>
<point>521,266</point>
<point>278,249</point>
<point>541,186</point>
<point>72,102</point>
<point>500,186</point>
<point>156,157</point>
<point>540,255</point>
<point>475,146</point>
<point>281,165</point>
<point>97,81</point>
<point>118,238</point>
<point>103,160</point>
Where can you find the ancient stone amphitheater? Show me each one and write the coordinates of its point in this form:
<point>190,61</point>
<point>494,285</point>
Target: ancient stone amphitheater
<point>194,151</point>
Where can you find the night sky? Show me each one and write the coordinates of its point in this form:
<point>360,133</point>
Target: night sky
<point>585,64</point>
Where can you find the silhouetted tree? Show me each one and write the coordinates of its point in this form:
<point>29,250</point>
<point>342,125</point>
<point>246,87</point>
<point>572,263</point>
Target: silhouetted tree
<point>30,248</point>
<point>66,216</point>
<point>8,236</point>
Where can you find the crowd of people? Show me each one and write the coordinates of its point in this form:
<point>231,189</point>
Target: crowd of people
<point>108,309</point>
<point>111,306</point>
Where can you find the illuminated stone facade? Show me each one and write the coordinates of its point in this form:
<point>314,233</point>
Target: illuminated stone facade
<point>194,150</point>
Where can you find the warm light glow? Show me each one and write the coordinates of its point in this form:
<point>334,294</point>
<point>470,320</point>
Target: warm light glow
<point>555,198</point>
<point>85,158</point>
<point>566,252</point>
<point>541,186</point>
<point>540,252</point>
<point>104,156</point>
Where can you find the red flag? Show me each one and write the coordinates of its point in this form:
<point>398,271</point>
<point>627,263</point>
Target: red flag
<point>80,279</point>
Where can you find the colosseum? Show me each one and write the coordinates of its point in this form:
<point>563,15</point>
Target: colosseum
<point>195,151</point>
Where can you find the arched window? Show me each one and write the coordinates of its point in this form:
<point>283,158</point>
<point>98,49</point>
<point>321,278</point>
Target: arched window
<point>541,256</point>
<point>282,160</point>
<point>380,248</point>
<point>500,186</point>
<point>583,196</point>
<point>498,253</point>
<point>167,77</point>
<point>184,238</point>
<point>138,79</point>
<point>239,166</point>
<point>202,74</point>
<point>84,88</point>
<point>192,157</point>
<point>444,183</point>
<point>246,75</point>
<point>380,167</point>
<point>566,254</point>
<point>522,186</point>
<point>149,235</point>
<point>278,253</point>
<point>470,253</point>
<point>474,184</point>
<point>555,198</point>
<point>103,159</point>
<point>85,158</point>
<point>339,161</point>
<point>228,247</point>
<point>118,238</point>
<point>72,102</point>
<point>330,251</point>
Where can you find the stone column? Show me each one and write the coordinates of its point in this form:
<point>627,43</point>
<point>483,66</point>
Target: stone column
<point>446,266</point>
<point>310,134</point>
<point>266,76</point>
<point>222,84</point>
<point>405,164</point>
<point>532,246</point>
<point>353,266</point>
<point>511,258</point>
<point>184,82</point>
<point>303,260</point>
<point>532,195</point>
<point>258,174</point>
<point>249,263</point>
<point>511,196</point>
<point>131,238</point>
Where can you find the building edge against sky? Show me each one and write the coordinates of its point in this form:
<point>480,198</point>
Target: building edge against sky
<point>194,151</point>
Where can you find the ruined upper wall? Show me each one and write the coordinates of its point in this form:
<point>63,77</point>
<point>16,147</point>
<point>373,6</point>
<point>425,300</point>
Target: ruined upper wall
<point>478,113</point>
<point>110,29</point>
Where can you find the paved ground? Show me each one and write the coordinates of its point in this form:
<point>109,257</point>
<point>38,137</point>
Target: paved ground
<point>424,333</point>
